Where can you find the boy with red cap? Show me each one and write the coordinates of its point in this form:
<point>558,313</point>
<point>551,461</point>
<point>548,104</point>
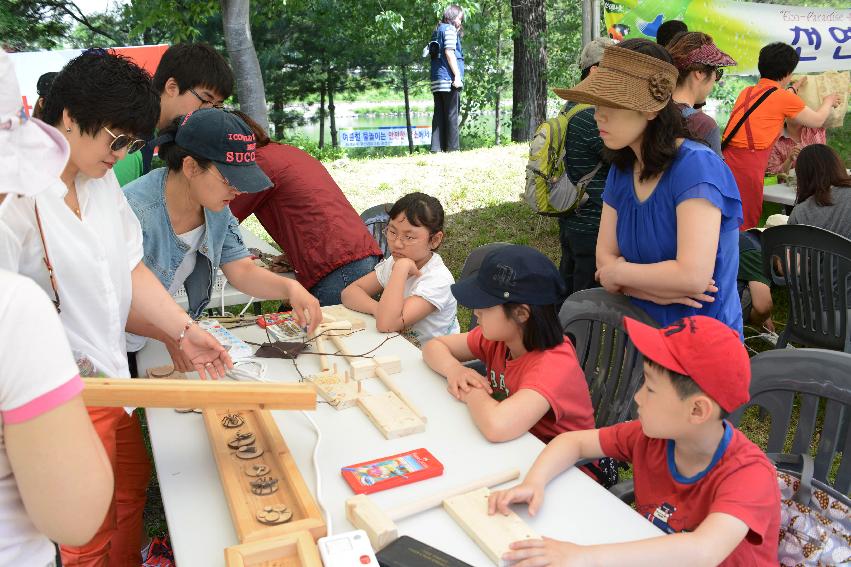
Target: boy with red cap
<point>696,476</point>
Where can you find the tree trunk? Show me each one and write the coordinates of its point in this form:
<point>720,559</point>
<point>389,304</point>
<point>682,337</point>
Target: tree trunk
<point>322,90</point>
<point>278,114</point>
<point>529,108</point>
<point>243,59</point>
<point>497,118</point>
<point>331,113</point>
<point>405,89</point>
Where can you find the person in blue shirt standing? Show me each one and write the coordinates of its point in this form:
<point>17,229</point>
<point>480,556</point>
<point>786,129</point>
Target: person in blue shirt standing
<point>671,209</point>
<point>447,78</point>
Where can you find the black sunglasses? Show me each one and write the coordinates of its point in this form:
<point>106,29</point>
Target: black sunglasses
<point>121,141</point>
<point>719,72</point>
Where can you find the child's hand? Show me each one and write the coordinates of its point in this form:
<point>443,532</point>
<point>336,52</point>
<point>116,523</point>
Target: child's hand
<point>499,500</point>
<point>461,379</point>
<point>546,551</point>
<point>407,266</point>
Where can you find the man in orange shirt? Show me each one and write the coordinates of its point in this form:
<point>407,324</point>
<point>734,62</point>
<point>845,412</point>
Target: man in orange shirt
<point>747,149</point>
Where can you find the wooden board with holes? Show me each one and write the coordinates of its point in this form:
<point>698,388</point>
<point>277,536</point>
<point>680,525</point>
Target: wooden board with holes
<point>244,505</point>
<point>339,392</point>
<point>390,415</point>
<point>493,534</point>
<point>335,313</point>
<point>293,550</point>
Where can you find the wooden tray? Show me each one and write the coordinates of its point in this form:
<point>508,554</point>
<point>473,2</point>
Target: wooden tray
<point>292,491</point>
<point>293,550</point>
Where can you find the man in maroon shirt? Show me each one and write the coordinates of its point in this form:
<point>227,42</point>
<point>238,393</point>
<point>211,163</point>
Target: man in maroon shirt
<point>307,215</point>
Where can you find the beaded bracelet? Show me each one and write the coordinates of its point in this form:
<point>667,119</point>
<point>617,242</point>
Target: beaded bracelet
<point>183,333</point>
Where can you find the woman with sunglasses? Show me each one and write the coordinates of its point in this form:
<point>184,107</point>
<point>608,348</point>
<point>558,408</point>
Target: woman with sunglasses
<point>701,65</point>
<point>189,230</point>
<point>82,244</point>
<point>668,232</point>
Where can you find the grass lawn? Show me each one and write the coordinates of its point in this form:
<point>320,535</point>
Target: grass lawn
<point>480,192</point>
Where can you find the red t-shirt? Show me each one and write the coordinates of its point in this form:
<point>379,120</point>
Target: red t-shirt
<point>554,374</point>
<point>740,481</point>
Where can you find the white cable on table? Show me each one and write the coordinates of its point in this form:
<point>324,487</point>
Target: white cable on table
<point>316,469</point>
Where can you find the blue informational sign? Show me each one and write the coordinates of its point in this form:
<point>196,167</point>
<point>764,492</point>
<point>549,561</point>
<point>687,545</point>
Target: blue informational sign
<point>384,136</point>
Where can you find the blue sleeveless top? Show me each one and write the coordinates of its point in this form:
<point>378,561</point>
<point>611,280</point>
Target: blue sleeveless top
<point>647,231</point>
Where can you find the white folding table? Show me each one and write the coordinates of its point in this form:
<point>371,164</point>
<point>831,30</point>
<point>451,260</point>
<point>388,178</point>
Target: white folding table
<point>576,508</point>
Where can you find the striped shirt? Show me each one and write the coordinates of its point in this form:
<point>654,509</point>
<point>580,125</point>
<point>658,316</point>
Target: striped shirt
<point>442,82</point>
<point>584,151</point>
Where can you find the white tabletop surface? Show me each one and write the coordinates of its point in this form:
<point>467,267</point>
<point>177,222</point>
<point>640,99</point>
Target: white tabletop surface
<point>576,508</point>
<point>779,193</point>
<point>232,295</point>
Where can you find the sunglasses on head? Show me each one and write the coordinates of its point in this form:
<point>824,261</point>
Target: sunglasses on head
<point>122,141</point>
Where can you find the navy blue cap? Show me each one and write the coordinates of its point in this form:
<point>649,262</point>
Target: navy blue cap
<point>511,274</point>
<point>228,142</point>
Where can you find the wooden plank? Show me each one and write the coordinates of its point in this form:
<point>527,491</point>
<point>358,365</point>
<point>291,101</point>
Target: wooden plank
<point>339,391</point>
<point>493,534</point>
<point>293,550</point>
<point>365,367</point>
<point>390,415</point>
<point>292,492</point>
<point>335,313</point>
<point>170,393</point>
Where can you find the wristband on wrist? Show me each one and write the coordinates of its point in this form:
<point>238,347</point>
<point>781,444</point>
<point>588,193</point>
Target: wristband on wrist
<point>793,89</point>
<point>183,333</point>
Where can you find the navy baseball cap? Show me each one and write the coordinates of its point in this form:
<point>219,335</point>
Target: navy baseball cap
<point>511,274</point>
<point>228,142</point>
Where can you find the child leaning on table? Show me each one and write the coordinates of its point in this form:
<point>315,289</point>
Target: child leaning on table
<point>413,282</point>
<point>696,476</point>
<point>534,382</point>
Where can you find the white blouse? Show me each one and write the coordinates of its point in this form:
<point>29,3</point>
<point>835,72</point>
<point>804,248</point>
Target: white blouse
<point>92,260</point>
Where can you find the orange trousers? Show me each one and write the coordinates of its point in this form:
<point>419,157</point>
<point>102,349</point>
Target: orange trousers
<point>118,541</point>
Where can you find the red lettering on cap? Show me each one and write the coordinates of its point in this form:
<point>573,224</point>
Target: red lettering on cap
<point>251,147</point>
<point>229,157</point>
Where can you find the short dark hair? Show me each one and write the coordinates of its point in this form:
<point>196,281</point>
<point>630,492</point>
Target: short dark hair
<point>818,169</point>
<point>420,210</point>
<point>586,71</point>
<point>668,30</point>
<point>172,154</point>
<point>194,65</point>
<point>777,60</point>
<point>684,385</point>
<point>100,88</point>
<point>659,141</point>
<point>542,330</point>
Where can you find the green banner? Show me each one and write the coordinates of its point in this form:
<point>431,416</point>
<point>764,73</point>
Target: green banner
<point>822,36</point>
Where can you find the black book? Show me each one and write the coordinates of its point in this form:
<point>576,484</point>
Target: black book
<point>409,552</point>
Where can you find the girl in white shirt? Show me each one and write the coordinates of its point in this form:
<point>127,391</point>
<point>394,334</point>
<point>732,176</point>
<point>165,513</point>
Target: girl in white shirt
<point>414,282</point>
<point>103,104</point>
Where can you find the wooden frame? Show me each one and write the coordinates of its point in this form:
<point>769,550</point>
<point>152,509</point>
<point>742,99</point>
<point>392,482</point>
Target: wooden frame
<point>292,491</point>
<point>293,550</point>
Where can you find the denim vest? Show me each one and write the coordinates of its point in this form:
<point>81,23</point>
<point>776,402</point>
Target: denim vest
<point>164,251</point>
<point>440,70</point>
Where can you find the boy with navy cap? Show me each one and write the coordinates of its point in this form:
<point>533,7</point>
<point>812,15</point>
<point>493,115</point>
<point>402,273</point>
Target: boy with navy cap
<point>534,381</point>
<point>696,476</point>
